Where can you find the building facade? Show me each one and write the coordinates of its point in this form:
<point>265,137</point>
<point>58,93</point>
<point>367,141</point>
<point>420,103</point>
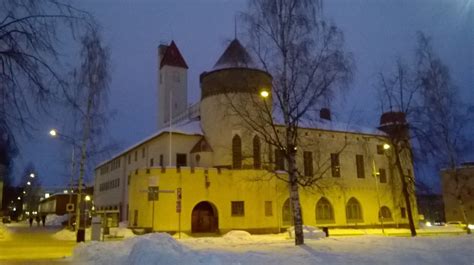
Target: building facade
<point>210,172</point>
<point>458,193</point>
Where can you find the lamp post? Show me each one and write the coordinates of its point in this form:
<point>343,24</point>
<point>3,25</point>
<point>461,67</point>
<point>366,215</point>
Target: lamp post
<point>54,133</point>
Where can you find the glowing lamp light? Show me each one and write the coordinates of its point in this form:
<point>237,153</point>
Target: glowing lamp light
<point>14,209</point>
<point>19,198</point>
<point>264,93</point>
<point>65,191</point>
<point>28,183</point>
<point>88,198</point>
<point>386,146</point>
<point>24,192</point>
<point>46,195</point>
<point>53,132</point>
<point>32,175</point>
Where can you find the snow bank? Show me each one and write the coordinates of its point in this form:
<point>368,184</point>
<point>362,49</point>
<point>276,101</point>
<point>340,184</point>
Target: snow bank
<point>310,232</point>
<point>56,220</point>
<point>68,235</point>
<point>121,232</point>
<point>237,234</point>
<point>150,249</point>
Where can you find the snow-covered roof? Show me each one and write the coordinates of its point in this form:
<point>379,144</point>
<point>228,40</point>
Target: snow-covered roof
<point>235,56</point>
<point>327,125</point>
<point>185,128</point>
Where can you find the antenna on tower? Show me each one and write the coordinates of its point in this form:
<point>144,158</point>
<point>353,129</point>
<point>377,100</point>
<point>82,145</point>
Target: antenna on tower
<point>235,27</point>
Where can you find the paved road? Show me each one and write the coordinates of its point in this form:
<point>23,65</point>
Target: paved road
<point>34,245</point>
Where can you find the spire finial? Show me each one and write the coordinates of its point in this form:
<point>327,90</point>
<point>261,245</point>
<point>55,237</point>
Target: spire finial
<point>235,27</point>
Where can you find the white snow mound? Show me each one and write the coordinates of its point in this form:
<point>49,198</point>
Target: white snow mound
<point>309,232</point>
<point>55,220</point>
<point>237,234</point>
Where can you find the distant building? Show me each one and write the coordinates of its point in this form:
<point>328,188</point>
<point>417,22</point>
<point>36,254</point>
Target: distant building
<point>431,206</point>
<point>208,172</point>
<point>458,183</point>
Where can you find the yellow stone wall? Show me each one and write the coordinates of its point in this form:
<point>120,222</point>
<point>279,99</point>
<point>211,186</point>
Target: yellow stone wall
<point>254,187</point>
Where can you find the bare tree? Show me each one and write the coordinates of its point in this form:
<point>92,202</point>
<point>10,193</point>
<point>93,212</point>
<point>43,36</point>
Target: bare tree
<point>306,57</point>
<point>92,83</point>
<point>397,92</point>
<point>31,63</point>
<point>427,101</point>
<point>444,120</point>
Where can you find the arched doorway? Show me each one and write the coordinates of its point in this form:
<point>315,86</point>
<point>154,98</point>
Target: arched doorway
<point>204,218</point>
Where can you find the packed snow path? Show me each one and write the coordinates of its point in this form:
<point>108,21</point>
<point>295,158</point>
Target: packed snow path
<point>33,243</point>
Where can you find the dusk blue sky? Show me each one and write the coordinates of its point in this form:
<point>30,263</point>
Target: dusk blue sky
<point>376,32</point>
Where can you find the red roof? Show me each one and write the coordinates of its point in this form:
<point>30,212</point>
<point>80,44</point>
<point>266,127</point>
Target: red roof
<point>173,57</point>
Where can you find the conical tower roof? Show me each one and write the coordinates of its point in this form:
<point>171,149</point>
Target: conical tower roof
<point>235,56</point>
<point>173,57</point>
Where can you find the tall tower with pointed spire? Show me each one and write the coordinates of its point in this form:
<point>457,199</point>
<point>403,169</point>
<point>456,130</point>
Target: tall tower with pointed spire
<point>172,83</point>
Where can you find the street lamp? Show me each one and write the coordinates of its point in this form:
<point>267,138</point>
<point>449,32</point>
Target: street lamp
<point>264,93</point>
<point>87,198</point>
<point>54,133</point>
<point>386,146</point>
<point>28,183</point>
<point>32,175</point>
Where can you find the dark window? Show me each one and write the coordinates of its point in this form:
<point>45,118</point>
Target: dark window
<point>143,152</point>
<point>181,160</point>
<point>287,213</point>
<point>403,212</point>
<point>257,163</point>
<point>279,160</point>
<point>128,179</point>
<point>129,158</point>
<point>353,210</point>
<point>360,166</point>
<point>161,161</point>
<point>308,163</point>
<point>238,208</point>
<point>151,162</point>
<point>385,213</point>
<point>236,152</point>
<point>380,149</point>
<point>324,211</point>
<point>268,208</point>
<point>335,167</point>
<point>136,155</point>
<point>382,175</point>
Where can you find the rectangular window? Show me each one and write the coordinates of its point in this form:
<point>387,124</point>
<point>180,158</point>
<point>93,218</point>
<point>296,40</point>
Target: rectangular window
<point>181,160</point>
<point>161,161</point>
<point>129,158</point>
<point>143,152</point>
<point>136,155</point>
<point>268,208</point>
<point>128,179</point>
<point>151,162</point>
<point>237,208</point>
<point>360,166</point>
<point>335,167</point>
<point>403,212</point>
<point>382,175</point>
<point>308,163</point>
<point>279,160</point>
<point>380,149</point>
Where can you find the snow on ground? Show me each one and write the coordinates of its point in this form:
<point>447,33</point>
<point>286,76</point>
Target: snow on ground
<point>240,248</point>
<point>56,220</point>
<point>115,232</point>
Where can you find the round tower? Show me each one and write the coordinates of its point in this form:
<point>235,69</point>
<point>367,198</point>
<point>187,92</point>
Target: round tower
<point>229,93</point>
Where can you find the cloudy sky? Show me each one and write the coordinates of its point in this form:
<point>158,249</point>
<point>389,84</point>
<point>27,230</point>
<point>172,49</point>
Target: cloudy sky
<point>376,32</point>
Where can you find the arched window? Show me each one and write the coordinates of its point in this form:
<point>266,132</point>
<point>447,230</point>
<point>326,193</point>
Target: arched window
<point>257,163</point>
<point>385,213</point>
<point>236,152</point>
<point>353,211</point>
<point>324,211</point>
<point>287,213</point>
